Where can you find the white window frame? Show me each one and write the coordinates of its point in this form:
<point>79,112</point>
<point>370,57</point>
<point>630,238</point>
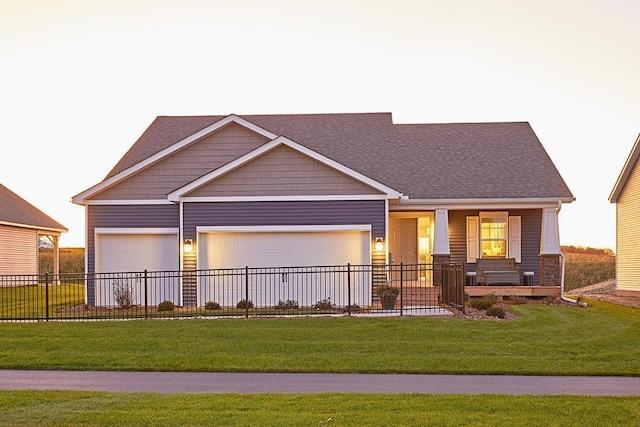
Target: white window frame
<point>474,237</point>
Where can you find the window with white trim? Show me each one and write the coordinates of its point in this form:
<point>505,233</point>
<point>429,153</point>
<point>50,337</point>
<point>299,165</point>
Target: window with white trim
<point>493,235</point>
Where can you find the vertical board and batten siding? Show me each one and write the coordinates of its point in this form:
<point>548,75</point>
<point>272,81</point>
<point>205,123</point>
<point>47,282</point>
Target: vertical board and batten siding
<point>18,250</point>
<point>349,212</point>
<point>127,216</point>
<point>628,235</point>
<point>530,229</point>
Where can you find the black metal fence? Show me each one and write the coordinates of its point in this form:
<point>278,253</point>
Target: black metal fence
<point>247,292</point>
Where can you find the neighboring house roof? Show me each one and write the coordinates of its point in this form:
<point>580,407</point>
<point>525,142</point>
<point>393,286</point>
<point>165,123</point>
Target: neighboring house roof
<point>626,172</point>
<point>422,161</point>
<point>16,211</point>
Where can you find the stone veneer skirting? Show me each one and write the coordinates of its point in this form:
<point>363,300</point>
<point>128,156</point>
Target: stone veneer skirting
<point>550,270</point>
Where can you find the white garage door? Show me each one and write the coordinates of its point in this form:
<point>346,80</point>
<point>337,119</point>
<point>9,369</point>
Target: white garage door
<point>266,288</point>
<point>125,253</point>
<point>283,249</point>
<point>136,252</point>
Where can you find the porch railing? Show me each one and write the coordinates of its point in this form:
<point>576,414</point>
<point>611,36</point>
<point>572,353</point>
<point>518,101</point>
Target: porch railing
<point>248,292</point>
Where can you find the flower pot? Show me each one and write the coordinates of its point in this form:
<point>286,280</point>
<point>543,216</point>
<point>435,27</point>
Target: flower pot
<point>388,301</point>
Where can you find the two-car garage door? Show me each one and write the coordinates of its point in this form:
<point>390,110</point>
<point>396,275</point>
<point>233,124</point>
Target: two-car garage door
<point>291,248</point>
<point>303,250</point>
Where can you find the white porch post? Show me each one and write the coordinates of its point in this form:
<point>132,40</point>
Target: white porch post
<point>550,251</point>
<point>441,233</point>
<point>550,233</point>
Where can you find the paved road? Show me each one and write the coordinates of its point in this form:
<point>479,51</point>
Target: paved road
<point>211,382</point>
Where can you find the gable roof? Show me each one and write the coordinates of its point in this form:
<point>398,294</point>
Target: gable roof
<point>422,161</point>
<point>627,169</point>
<point>278,142</point>
<point>16,211</point>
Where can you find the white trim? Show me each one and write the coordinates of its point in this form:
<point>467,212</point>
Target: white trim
<point>283,198</point>
<point>549,233</point>
<point>141,230</point>
<point>128,202</point>
<point>626,171</point>
<point>473,239</point>
<point>441,244</point>
<point>80,198</point>
<point>58,231</point>
<point>281,228</point>
<point>180,193</point>
<point>473,204</point>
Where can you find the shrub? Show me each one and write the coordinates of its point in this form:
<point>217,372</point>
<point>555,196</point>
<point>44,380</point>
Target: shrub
<point>166,306</point>
<point>245,303</point>
<point>491,297</point>
<point>212,305</point>
<point>496,311</point>
<point>324,304</point>
<point>481,303</point>
<point>123,293</point>
<point>286,305</point>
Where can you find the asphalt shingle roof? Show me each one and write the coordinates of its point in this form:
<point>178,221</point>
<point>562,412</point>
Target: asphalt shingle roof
<point>15,210</point>
<point>422,161</point>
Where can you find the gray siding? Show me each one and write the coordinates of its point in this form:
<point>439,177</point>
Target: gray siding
<point>531,226</point>
<point>127,216</point>
<point>285,213</point>
<point>199,158</point>
<point>283,172</point>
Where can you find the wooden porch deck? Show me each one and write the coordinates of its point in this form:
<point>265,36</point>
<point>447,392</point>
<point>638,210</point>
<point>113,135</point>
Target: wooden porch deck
<point>510,290</point>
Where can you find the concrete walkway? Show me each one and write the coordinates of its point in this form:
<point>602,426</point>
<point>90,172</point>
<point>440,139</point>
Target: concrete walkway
<point>213,382</point>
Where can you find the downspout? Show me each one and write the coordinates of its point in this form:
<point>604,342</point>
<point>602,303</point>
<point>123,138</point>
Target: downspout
<point>567,299</point>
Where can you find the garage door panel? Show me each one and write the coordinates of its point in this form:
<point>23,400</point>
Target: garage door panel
<point>117,254</point>
<point>284,249</point>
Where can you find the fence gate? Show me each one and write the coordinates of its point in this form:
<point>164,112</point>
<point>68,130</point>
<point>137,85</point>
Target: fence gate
<point>452,279</point>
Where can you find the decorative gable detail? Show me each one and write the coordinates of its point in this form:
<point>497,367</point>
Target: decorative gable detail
<point>282,169</point>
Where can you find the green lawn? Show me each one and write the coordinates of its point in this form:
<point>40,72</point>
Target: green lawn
<point>46,408</point>
<point>547,340</point>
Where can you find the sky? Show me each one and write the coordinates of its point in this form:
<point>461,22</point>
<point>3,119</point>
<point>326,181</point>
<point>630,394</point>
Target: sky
<point>81,80</point>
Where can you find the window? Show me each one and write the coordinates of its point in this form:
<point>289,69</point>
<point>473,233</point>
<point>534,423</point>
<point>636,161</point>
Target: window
<point>493,235</point>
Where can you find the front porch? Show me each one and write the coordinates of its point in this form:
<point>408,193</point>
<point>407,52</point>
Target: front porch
<point>512,291</point>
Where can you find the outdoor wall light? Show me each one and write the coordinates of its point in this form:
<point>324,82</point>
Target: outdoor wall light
<point>379,245</point>
<point>188,245</point>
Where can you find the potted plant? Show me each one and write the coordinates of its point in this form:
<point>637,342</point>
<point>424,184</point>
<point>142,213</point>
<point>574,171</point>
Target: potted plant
<point>388,296</point>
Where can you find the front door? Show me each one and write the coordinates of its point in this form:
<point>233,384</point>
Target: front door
<point>403,244</point>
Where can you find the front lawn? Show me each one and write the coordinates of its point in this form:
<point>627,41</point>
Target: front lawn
<point>547,340</point>
<point>48,408</point>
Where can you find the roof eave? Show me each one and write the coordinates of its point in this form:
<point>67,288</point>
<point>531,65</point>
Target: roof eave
<point>460,204</point>
<point>625,172</point>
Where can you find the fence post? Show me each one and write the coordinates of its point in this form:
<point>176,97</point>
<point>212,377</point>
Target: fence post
<point>462,277</point>
<point>146,306</point>
<point>349,288</point>
<point>246,291</point>
<point>46,295</point>
<point>401,292</point>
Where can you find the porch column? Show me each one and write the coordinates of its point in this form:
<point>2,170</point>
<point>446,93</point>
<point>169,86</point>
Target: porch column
<point>441,249</point>
<point>549,260</point>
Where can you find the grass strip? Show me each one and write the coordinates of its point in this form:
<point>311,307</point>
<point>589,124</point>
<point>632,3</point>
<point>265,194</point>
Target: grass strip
<point>52,408</point>
<point>547,340</point>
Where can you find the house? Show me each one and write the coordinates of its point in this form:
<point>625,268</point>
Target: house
<point>626,196</point>
<point>21,227</point>
<point>209,192</point>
